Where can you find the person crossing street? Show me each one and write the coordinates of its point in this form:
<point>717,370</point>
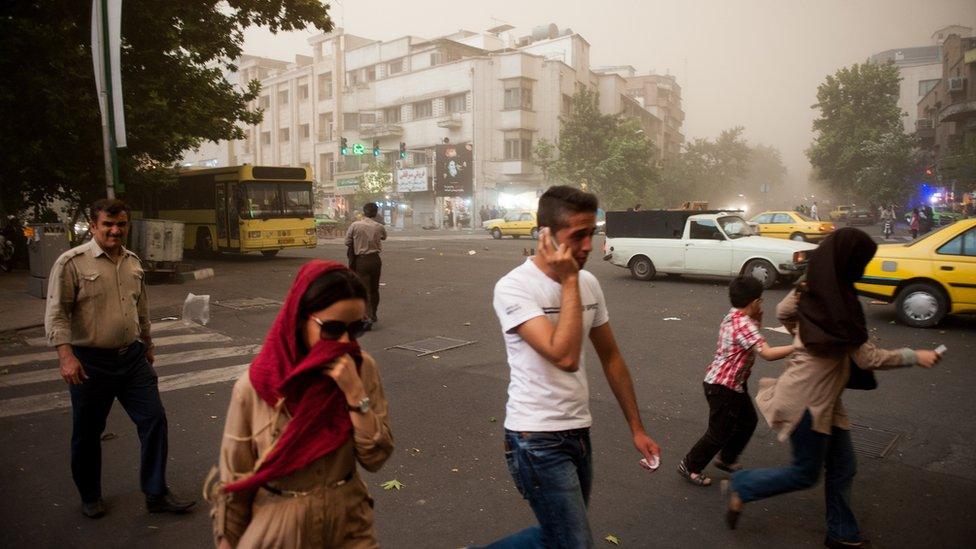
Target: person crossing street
<point>364,239</point>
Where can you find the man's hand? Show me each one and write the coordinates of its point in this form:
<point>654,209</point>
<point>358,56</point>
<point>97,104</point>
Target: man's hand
<point>559,259</point>
<point>71,369</point>
<point>926,358</point>
<point>646,446</point>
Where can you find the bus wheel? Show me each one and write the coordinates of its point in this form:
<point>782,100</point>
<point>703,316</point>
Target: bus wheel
<point>204,247</point>
<point>269,253</point>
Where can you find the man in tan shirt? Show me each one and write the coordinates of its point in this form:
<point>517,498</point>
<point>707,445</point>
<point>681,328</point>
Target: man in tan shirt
<point>364,240</point>
<point>98,319</point>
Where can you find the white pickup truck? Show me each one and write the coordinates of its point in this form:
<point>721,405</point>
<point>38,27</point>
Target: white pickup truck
<point>699,243</point>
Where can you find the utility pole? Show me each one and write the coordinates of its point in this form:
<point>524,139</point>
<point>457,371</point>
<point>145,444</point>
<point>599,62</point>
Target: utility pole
<point>109,140</point>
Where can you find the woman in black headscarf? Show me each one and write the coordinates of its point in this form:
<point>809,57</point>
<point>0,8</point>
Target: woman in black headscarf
<point>803,404</point>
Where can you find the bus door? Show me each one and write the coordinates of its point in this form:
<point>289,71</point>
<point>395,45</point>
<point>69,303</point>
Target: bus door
<point>233,215</point>
<point>220,212</point>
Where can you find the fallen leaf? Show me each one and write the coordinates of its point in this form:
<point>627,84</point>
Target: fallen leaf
<point>151,527</point>
<point>671,318</point>
<point>612,539</point>
<point>471,252</point>
<point>418,259</point>
<point>454,470</point>
<point>435,357</point>
<point>467,323</point>
<point>213,417</point>
<point>493,419</point>
<point>392,485</point>
<point>211,393</point>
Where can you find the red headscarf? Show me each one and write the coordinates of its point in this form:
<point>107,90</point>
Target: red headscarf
<point>320,417</point>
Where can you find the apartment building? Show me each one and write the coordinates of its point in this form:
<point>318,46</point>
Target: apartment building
<point>493,90</point>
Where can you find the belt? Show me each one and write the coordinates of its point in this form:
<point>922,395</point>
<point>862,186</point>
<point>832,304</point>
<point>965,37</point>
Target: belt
<point>300,493</point>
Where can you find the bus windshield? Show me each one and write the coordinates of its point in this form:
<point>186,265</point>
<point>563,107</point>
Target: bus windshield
<point>269,200</point>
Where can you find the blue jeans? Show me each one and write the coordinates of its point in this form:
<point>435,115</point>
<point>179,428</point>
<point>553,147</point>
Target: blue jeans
<point>554,472</point>
<point>812,451</point>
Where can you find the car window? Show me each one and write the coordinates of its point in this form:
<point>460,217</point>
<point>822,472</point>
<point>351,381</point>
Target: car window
<point>735,227</point>
<point>964,244</point>
<point>526,217</point>
<point>704,230</point>
<point>511,217</point>
<point>764,218</point>
<point>782,218</point>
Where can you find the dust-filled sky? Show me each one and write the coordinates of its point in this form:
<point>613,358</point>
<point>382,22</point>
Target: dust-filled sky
<point>755,63</point>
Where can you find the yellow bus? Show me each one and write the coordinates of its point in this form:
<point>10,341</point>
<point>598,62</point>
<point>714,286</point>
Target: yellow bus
<point>242,209</point>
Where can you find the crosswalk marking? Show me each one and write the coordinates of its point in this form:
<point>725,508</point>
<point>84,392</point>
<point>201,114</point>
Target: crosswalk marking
<point>157,328</point>
<point>183,357</point>
<point>207,337</point>
<point>61,399</point>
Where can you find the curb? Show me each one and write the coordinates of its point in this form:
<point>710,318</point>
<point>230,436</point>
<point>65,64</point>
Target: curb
<point>198,274</point>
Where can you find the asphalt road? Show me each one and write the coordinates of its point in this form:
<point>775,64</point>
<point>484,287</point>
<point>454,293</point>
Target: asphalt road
<point>447,412</point>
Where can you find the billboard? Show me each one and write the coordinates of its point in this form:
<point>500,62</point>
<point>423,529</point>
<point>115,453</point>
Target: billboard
<point>411,180</point>
<point>455,170</point>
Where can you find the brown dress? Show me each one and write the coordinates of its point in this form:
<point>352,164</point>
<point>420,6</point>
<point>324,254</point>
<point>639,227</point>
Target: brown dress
<point>324,504</point>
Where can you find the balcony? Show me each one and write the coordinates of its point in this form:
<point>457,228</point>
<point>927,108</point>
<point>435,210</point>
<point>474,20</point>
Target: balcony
<point>958,112</point>
<point>380,130</point>
<point>453,121</point>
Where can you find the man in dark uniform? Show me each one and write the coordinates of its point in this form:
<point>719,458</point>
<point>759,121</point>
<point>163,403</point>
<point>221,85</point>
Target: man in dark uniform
<point>98,319</point>
<point>364,237</point>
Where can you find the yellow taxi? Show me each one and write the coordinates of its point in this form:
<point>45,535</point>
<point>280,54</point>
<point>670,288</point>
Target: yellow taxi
<point>792,225</point>
<point>928,277</point>
<point>514,224</point>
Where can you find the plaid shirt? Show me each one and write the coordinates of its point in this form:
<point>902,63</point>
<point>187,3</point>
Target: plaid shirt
<point>737,338</point>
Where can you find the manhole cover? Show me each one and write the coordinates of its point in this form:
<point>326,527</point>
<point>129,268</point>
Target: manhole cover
<point>873,442</point>
<point>248,303</point>
<point>432,345</point>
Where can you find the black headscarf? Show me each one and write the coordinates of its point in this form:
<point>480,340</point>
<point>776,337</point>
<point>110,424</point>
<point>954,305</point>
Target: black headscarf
<point>831,318</point>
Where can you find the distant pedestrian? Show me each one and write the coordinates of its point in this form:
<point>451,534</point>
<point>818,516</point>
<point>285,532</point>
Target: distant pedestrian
<point>547,307</point>
<point>915,223</point>
<point>98,318</point>
<point>493,214</point>
<point>833,351</point>
<point>731,415</point>
<point>814,213</point>
<point>366,236</point>
<point>928,218</point>
<point>309,408</point>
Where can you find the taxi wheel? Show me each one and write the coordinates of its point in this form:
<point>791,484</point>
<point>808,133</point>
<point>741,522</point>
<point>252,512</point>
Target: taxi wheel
<point>642,268</point>
<point>921,305</point>
<point>496,233</point>
<point>798,237</point>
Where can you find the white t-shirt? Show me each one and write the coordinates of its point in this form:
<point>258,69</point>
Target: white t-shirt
<point>541,397</point>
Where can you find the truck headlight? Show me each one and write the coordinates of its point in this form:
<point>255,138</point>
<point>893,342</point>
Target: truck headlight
<point>799,257</point>
<point>254,234</point>
<point>309,231</point>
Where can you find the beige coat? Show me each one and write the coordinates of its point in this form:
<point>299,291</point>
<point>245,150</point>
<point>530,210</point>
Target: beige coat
<point>815,383</point>
<point>325,504</point>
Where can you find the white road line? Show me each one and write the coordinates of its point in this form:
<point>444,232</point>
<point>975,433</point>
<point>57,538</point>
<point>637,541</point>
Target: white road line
<point>33,358</point>
<point>184,357</point>
<point>157,327</point>
<point>53,401</point>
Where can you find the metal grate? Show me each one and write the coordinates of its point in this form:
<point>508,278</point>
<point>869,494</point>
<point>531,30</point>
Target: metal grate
<point>248,303</point>
<point>873,442</point>
<point>424,347</point>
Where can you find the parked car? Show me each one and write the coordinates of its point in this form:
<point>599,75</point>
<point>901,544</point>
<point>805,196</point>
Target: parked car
<point>699,243</point>
<point>861,216</point>
<point>840,212</point>
<point>791,225</point>
<point>941,215</point>
<point>928,277</point>
<point>515,224</point>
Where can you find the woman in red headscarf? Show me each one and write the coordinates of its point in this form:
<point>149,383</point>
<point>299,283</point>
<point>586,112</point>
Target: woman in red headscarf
<point>310,406</point>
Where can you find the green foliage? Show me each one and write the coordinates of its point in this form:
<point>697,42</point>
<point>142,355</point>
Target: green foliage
<point>602,153</point>
<point>860,150</point>
<point>713,170</point>
<point>959,162</point>
<point>174,58</point>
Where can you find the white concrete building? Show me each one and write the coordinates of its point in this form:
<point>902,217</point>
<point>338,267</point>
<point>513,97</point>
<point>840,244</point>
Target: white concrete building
<point>490,89</point>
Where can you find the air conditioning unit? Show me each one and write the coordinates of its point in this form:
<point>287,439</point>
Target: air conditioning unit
<point>957,83</point>
<point>923,124</point>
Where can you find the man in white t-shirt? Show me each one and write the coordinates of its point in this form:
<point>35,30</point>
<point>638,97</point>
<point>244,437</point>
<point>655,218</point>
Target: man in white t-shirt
<point>546,306</point>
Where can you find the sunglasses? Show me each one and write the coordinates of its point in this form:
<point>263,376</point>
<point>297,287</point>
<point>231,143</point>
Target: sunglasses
<point>333,329</point>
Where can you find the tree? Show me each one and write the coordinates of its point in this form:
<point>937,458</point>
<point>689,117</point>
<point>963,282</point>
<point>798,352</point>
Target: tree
<point>705,169</point>
<point>606,154</point>
<point>174,59</point>
<point>860,149</point>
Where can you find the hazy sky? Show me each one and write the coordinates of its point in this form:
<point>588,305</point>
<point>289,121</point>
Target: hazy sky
<point>755,63</point>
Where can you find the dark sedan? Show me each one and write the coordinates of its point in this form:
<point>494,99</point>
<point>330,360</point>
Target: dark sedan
<point>861,216</point>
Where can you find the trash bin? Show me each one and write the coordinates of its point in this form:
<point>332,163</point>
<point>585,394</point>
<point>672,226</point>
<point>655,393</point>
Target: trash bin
<point>45,246</point>
<point>158,243</point>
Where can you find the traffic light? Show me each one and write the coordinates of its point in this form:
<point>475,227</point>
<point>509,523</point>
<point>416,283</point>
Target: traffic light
<point>343,146</point>
<point>403,150</point>
<point>376,147</point>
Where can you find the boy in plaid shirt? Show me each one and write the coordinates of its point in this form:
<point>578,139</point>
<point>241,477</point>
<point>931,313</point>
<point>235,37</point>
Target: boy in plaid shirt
<point>731,416</point>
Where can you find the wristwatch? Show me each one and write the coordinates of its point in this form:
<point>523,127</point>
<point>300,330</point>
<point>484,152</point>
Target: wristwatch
<point>363,406</point>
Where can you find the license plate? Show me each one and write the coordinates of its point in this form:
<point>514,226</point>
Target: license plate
<point>286,241</point>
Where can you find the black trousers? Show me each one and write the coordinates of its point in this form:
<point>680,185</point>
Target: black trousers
<point>130,378</point>
<point>368,267</point>
<point>731,422</point>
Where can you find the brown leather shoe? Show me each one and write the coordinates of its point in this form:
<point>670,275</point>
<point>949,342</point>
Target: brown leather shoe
<point>168,503</point>
<point>94,509</point>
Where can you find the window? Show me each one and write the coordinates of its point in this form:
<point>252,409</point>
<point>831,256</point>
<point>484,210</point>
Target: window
<point>352,163</point>
<point>423,109</point>
<point>518,146</point>
<point>350,121</point>
<point>964,244</point>
<point>326,168</point>
<point>419,159</point>
<point>394,67</point>
<point>352,78</point>
<point>283,97</point>
<point>325,126</point>
<point>265,138</point>
<point>518,95</point>
<point>367,118</point>
<point>925,86</point>
<point>370,73</point>
<point>297,200</point>
<point>284,134</point>
<point>705,230</point>
<point>764,218</point>
<point>306,131</point>
<point>391,115</point>
<point>265,101</point>
<point>567,105</point>
<point>782,219</point>
<point>525,217</point>
<point>456,103</point>
<point>325,86</point>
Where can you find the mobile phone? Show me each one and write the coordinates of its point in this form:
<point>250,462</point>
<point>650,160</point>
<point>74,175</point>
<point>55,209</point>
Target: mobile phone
<point>651,465</point>
<point>940,350</point>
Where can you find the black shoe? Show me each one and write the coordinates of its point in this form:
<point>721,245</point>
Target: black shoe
<point>368,325</point>
<point>837,544</point>
<point>94,509</point>
<point>168,503</point>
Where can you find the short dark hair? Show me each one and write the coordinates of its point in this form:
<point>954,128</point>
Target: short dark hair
<point>561,201</point>
<point>111,206</point>
<point>743,290</point>
<point>370,209</point>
